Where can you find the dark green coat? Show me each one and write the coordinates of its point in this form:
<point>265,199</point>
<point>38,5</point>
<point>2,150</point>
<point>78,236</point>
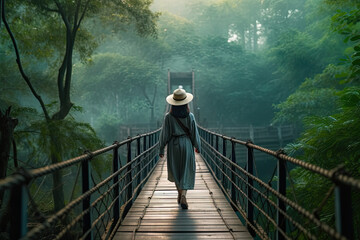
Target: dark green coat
<point>180,150</point>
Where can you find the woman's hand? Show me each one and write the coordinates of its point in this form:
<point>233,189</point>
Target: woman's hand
<point>197,150</point>
<point>161,155</point>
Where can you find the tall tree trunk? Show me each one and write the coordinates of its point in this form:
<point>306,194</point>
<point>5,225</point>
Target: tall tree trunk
<point>7,126</point>
<point>64,82</point>
<point>58,189</point>
<point>242,36</point>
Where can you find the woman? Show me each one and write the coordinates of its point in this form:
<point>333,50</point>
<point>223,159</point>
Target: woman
<point>180,134</point>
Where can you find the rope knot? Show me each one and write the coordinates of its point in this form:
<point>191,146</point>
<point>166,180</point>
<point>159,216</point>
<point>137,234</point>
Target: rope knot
<point>24,173</point>
<point>280,151</point>
<point>248,142</point>
<point>335,172</point>
<point>89,153</point>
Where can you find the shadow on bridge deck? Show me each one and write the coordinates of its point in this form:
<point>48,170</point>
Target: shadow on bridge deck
<point>164,218</point>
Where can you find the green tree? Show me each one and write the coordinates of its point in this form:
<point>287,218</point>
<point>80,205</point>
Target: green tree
<point>330,116</point>
<point>61,23</point>
<point>129,87</point>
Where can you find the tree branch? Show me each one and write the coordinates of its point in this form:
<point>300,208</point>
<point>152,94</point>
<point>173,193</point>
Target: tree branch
<point>62,14</point>
<point>83,13</point>
<point>76,15</point>
<point>18,61</point>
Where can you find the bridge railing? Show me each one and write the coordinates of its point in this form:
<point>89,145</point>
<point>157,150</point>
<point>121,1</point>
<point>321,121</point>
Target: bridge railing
<point>266,209</point>
<point>99,210</point>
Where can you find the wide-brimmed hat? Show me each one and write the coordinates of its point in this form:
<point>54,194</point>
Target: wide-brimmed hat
<point>179,97</point>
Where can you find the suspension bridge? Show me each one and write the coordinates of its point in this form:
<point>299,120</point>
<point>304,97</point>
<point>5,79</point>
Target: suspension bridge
<point>135,201</point>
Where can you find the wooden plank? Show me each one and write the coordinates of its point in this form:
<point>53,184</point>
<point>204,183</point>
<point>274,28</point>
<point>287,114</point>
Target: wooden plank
<point>185,228</point>
<point>179,222</point>
<point>181,236</point>
<point>164,218</point>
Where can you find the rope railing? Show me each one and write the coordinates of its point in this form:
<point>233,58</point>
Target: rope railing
<point>99,210</point>
<point>266,210</point>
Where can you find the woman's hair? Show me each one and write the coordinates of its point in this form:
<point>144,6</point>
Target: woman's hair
<point>180,111</point>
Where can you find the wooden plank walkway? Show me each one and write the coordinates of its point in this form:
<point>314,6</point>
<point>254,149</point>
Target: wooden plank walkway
<point>163,217</point>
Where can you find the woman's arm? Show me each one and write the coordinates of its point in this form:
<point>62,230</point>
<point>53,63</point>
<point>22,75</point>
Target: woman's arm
<point>164,135</point>
<point>195,137</point>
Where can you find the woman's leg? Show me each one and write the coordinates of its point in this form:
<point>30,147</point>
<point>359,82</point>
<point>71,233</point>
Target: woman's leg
<point>179,193</point>
<point>183,201</point>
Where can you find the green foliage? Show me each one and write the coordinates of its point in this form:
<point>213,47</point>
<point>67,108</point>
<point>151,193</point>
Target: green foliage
<point>34,143</point>
<point>128,91</point>
<point>348,24</point>
<point>328,105</point>
<point>315,97</point>
<point>328,142</point>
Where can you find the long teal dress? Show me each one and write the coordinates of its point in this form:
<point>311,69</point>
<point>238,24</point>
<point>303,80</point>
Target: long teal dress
<point>180,150</point>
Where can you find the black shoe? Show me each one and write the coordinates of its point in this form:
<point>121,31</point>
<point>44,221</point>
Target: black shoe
<point>183,202</point>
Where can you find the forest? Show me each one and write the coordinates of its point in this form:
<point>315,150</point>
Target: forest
<point>73,72</point>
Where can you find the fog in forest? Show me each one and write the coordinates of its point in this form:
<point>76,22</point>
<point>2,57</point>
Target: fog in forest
<point>256,63</point>
<point>247,56</point>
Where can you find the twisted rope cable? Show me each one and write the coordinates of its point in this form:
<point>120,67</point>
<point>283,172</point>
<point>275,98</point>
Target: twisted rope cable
<point>240,210</point>
<point>51,220</point>
<point>330,174</point>
<point>326,228</point>
<point>126,203</point>
<point>18,179</point>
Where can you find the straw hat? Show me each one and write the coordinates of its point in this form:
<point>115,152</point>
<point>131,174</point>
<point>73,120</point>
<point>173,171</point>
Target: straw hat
<point>179,97</point>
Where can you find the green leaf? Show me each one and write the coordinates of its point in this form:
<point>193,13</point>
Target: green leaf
<point>341,75</point>
<point>356,62</point>
<point>355,38</point>
<point>356,73</point>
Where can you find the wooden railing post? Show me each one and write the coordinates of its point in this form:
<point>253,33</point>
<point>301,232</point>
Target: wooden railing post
<point>250,206</point>
<point>86,202</point>
<point>223,162</point>
<point>18,206</point>
<point>128,178</point>
<point>150,155</point>
<point>233,178</point>
<point>116,213</point>
<point>217,149</point>
<point>145,156</point>
<point>281,222</point>
<point>343,211</point>
<point>138,162</point>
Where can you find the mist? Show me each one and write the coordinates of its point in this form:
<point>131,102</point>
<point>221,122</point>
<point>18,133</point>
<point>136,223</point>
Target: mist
<point>248,58</point>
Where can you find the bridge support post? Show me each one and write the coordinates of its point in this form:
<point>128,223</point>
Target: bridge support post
<point>151,155</point>
<point>233,178</point>
<point>145,157</point>
<point>86,202</point>
<point>250,206</point>
<point>138,149</point>
<point>129,179</point>
<point>343,211</point>
<point>217,149</point>
<point>116,210</point>
<point>223,161</point>
<point>18,218</point>
<point>281,222</point>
